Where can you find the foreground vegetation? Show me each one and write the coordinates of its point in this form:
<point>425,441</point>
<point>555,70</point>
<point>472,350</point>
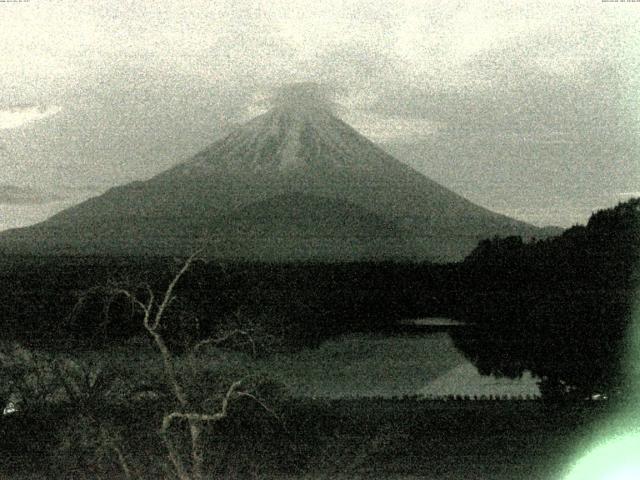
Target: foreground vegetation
<point>300,438</point>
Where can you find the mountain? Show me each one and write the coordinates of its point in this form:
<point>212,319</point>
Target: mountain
<point>294,183</point>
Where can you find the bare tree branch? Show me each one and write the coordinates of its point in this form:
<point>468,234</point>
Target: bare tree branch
<point>174,457</point>
<point>108,440</point>
<point>168,294</point>
<point>152,323</point>
<point>195,421</point>
<point>170,371</point>
<point>262,404</point>
<point>203,417</point>
<point>146,308</point>
<point>154,310</point>
<point>219,340</point>
<point>123,462</point>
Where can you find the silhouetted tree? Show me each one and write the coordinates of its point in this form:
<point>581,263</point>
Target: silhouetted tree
<point>558,307</point>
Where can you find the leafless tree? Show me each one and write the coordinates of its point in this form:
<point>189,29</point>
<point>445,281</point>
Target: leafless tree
<point>154,309</point>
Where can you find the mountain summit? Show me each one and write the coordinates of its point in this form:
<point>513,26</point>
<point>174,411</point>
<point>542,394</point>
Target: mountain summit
<point>291,139</point>
<point>295,183</point>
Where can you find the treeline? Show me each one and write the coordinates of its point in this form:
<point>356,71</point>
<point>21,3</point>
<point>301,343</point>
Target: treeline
<point>303,304</point>
<point>560,307</point>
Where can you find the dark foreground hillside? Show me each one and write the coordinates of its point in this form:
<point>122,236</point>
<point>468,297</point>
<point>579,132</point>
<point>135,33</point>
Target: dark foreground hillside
<point>369,439</point>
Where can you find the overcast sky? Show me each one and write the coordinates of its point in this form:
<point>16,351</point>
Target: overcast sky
<point>528,108</point>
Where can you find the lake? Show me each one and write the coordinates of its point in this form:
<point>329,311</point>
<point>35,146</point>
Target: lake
<point>372,365</point>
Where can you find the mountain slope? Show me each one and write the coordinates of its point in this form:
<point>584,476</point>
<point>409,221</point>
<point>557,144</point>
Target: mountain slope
<point>295,182</point>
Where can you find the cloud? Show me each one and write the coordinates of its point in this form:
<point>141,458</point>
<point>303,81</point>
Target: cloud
<point>16,195</point>
<point>19,115</point>
<point>388,128</point>
<point>304,94</point>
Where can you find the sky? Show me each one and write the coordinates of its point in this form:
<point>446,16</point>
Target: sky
<point>527,108</point>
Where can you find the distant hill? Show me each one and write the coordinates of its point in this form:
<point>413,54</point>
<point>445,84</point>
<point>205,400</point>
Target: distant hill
<point>294,183</point>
